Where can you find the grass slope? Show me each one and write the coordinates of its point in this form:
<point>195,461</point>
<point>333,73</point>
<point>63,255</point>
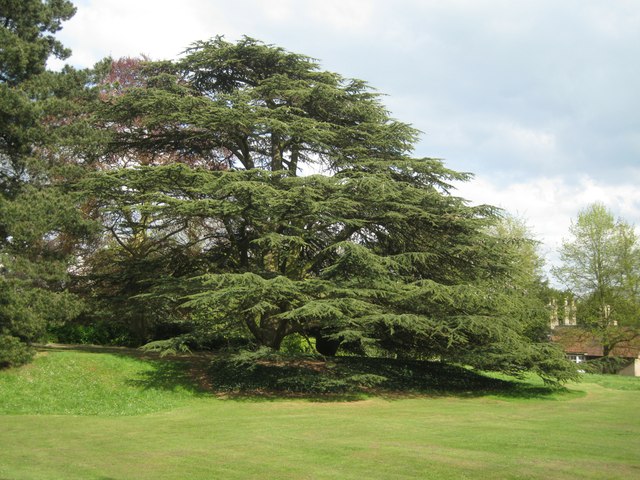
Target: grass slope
<point>77,383</point>
<point>67,416</point>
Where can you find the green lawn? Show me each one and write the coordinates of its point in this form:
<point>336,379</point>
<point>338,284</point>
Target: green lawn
<point>75,415</point>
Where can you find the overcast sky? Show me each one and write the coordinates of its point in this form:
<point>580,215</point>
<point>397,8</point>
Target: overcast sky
<point>538,98</point>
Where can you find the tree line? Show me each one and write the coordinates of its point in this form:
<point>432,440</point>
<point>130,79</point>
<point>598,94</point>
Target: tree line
<point>243,197</point>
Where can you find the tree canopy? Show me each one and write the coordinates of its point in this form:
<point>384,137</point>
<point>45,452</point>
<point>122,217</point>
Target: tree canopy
<point>250,105</point>
<point>243,193</point>
<point>37,220</point>
<point>26,28</point>
<point>248,190</point>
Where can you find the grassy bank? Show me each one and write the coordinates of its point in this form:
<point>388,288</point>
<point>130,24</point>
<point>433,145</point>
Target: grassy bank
<point>80,415</point>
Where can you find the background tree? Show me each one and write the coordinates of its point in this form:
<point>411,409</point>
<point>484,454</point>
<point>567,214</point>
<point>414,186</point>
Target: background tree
<point>601,263</point>
<point>27,43</point>
<point>37,217</point>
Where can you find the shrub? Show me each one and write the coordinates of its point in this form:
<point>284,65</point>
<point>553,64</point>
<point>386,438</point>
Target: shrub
<point>98,333</point>
<point>605,365</point>
<point>13,352</point>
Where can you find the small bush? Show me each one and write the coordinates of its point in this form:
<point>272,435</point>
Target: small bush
<point>605,365</point>
<point>296,344</point>
<point>13,352</point>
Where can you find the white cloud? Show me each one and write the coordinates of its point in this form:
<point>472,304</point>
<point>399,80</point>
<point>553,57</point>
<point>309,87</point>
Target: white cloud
<point>348,16</point>
<point>119,28</point>
<point>529,138</point>
<point>510,140</point>
<point>616,23</point>
<point>549,204</point>
<point>278,10</point>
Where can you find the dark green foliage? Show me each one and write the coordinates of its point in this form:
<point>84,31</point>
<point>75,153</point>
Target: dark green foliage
<point>252,105</point>
<point>14,352</point>
<point>74,331</point>
<point>608,365</point>
<point>25,86</point>
<point>25,35</point>
<point>41,227</point>
<point>306,240</point>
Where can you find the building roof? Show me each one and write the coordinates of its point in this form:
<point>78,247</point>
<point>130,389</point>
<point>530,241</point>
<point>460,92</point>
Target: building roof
<point>575,340</point>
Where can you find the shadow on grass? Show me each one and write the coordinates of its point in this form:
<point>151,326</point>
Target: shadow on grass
<point>356,378</point>
<point>317,379</point>
<point>171,375</point>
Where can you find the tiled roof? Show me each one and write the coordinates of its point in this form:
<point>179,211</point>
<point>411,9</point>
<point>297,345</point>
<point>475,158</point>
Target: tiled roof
<point>578,341</point>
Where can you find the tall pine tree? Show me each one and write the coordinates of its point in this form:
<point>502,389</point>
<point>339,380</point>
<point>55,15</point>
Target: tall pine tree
<point>37,218</point>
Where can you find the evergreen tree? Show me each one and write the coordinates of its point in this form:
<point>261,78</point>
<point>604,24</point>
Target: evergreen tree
<point>37,218</point>
<point>377,257</point>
